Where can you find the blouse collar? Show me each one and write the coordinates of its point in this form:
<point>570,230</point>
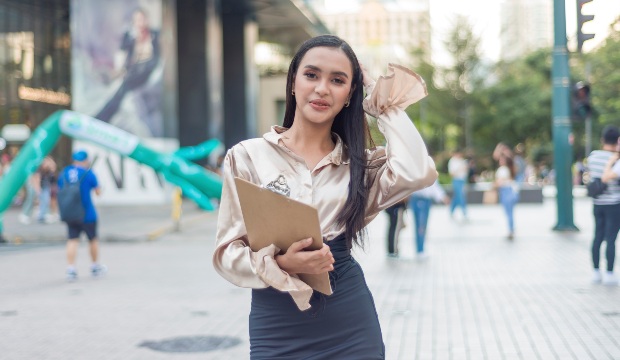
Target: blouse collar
<point>338,156</point>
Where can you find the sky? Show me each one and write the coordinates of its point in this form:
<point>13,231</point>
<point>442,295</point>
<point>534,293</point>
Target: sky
<point>484,15</point>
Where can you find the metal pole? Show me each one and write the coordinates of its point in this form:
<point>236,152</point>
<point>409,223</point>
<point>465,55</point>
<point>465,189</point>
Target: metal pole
<point>562,149</point>
<point>589,115</point>
<point>588,135</point>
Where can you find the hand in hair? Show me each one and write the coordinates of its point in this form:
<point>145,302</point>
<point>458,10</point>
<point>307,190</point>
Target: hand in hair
<point>296,260</point>
<point>367,79</point>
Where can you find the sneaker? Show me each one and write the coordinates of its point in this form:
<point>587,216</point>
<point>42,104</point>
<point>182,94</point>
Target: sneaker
<point>596,276</point>
<point>610,279</point>
<point>51,218</point>
<point>98,270</point>
<point>24,219</point>
<point>71,275</point>
<point>392,255</point>
<point>421,256</point>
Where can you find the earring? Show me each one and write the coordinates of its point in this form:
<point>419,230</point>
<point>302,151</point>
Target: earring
<point>293,92</point>
<point>347,103</point>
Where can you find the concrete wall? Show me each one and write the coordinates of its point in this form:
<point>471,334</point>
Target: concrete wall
<point>271,90</point>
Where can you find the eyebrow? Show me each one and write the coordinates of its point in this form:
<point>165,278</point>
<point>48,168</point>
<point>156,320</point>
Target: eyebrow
<point>340,73</point>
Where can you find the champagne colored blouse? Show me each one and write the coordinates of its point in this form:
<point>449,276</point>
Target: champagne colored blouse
<point>397,170</point>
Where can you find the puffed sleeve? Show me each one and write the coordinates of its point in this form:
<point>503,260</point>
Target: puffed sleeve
<point>403,165</point>
<point>233,259</point>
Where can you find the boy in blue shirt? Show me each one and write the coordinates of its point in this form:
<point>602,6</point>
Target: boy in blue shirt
<point>80,171</point>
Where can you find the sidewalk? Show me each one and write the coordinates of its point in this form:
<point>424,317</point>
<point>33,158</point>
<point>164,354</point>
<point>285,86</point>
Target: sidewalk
<point>116,224</point>
<point>479,296</point>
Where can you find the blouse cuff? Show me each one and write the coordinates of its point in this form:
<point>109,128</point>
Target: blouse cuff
<point>401,87</point>
<point>268,270</point>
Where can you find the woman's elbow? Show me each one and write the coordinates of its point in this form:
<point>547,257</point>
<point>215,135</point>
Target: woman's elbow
<point>429,173</point>
<point>421,178</point>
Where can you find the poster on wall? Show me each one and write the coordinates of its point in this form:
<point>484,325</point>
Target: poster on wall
<point>118,76</point>
<point>117,64</point>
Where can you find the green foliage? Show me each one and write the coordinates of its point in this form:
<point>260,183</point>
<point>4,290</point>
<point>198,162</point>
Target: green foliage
<point>508,101</point>
<point>517,107</point>
<point>606,78</point>
<point>444,178</point>
<point>441,117</point>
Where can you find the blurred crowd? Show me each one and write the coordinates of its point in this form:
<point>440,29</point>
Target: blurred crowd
<point>37,198</point>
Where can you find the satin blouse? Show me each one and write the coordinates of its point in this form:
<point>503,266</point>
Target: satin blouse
<point>397,169</point>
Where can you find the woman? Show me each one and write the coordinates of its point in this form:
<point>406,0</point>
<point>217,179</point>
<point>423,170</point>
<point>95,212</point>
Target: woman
<point>141,45</point>
<point>506,186</point>
<point>320,151</point>
<point>47,179</point>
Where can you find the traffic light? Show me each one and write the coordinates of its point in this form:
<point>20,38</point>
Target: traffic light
<point>582,106</point>
<point>582,19</point>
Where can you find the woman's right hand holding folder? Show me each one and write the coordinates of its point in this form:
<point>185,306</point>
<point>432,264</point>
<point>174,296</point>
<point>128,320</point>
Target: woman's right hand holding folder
<point>298,261</point>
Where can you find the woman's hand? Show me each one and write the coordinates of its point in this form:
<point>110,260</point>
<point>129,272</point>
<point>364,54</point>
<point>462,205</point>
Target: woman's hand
<point>367,79</point>
<point>296,260</point>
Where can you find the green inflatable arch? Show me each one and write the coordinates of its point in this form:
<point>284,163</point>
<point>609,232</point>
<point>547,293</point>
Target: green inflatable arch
<point>197,183</point>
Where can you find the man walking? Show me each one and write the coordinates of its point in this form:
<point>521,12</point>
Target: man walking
<point>79,173</point>
<point>603,164</point>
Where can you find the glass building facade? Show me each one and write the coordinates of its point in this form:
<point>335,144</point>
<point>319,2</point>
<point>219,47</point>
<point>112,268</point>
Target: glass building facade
<point>35,69</point>
<point>64,54</point>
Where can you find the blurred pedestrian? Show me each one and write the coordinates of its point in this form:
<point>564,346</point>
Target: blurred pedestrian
<point>520,164</point>
<point>47,178</point>
<point>603,164</point>
<point>395,225</point>
<point>502,149</point>
<point>5,163</point>
<point>507,190</point>
<point>31,190</point>
<point>472,175</point>
<point>458,169</point>
<point>579,169</point>
<point>80,172</point>
<point>420,203</point>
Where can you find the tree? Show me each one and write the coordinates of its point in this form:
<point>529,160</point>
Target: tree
<point>605,78</point>
<point>462,79</point>
<point>517,106</point>
<point>431,115</point>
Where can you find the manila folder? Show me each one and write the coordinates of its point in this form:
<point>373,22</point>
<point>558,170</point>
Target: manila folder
<point>272,218</point>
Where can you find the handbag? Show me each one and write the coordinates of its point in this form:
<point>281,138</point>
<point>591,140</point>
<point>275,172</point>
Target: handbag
<point>596,187</point>
<point>490,196</point>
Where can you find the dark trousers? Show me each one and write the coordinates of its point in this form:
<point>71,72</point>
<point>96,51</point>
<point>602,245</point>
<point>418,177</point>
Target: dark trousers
<point>343,325</point>
<point>606,226</point>
<point>392,212</point>
<point>421,208</point>
<point>136,76</point>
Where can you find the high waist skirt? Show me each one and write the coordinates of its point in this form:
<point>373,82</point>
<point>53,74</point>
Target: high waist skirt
<point>343,325</point>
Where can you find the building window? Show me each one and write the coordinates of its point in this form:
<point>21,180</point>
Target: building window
<point>35,69</point>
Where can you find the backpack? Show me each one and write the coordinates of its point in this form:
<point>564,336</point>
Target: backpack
<point>596,187</point>
<point>70,201</point>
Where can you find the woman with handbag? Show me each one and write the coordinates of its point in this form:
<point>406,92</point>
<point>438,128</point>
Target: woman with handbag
<point>507,190</point>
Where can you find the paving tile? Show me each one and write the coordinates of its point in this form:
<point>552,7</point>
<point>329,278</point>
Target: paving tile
<point>478,296</point>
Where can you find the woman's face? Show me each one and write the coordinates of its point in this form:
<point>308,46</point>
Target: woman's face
<point>322,85</point>
<point>139,20</point>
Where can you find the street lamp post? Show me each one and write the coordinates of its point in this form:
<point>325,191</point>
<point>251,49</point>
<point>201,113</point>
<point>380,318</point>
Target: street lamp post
<point>562,148</point>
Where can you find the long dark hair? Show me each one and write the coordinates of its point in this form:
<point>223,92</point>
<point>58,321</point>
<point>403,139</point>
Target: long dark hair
<point>350,124</point>
<point>510,164</point>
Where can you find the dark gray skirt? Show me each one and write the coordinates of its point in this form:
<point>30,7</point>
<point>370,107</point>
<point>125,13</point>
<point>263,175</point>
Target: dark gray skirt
<point>343,325</point>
